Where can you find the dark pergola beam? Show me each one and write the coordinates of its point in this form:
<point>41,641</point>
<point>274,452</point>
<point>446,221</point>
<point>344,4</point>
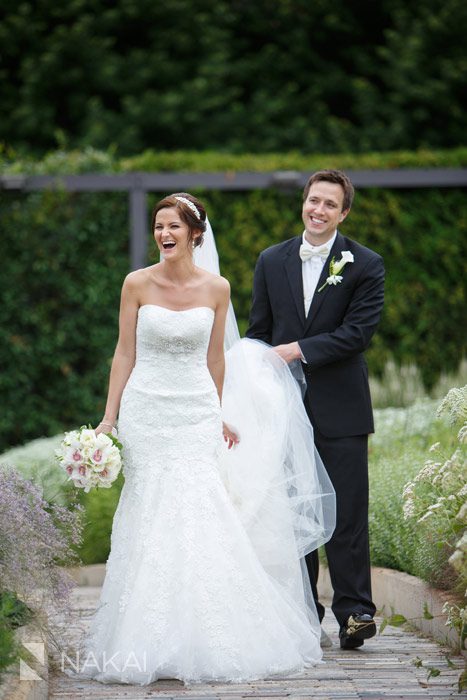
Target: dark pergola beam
<point>235,181</point>
<point>139,184</point>
<point>138,228</point>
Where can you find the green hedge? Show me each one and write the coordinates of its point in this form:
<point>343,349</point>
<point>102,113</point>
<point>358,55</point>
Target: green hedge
<point>233,75</point>
<point>65,255</point>
<point>91,160</point>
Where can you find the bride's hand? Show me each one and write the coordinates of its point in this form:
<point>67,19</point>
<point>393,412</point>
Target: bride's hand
<point>104,428</point>
<point>230,437</point>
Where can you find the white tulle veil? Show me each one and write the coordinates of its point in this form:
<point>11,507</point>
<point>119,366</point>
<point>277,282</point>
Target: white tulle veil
<point>275,476</point>
<point>206,256</point>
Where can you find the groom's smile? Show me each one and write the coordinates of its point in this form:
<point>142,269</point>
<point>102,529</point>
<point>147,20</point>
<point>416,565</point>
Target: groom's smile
<point>322,211</point>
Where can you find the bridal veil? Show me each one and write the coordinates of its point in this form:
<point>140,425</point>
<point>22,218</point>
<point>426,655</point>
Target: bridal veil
<point>274,476</point>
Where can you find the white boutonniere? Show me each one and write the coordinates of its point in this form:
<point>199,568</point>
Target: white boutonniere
<point>335,267</point>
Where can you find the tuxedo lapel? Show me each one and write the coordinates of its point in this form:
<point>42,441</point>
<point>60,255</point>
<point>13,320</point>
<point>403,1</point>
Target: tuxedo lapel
<point>293,268</point>
<point>319,297</point>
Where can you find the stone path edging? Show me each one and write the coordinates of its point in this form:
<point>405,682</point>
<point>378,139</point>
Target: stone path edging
<point>406,595</point>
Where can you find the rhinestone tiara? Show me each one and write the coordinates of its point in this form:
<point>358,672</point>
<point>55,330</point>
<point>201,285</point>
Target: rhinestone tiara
<point>192,206</point>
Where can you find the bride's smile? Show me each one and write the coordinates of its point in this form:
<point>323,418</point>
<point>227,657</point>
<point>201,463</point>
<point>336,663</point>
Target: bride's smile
<point>172,234</point>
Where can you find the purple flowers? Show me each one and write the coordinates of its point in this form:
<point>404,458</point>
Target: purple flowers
<point>36,539</point>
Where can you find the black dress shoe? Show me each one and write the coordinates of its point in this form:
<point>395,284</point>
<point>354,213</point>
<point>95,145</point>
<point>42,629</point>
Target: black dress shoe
<point>357,628</point>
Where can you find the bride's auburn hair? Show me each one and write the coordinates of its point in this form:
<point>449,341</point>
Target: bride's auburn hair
<point>186,213</point>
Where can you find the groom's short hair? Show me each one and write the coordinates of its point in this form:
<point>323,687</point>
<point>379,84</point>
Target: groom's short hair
<point>338,178</point>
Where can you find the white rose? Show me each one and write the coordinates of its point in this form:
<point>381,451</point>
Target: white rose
<point>71,438</point>
<point>102,440</point>
<point>87,452</point>
<point>87,437</point>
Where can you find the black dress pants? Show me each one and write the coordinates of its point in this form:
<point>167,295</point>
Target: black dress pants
<point>348,555</point>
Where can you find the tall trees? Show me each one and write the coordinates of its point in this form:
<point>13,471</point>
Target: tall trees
<point>232,74</point>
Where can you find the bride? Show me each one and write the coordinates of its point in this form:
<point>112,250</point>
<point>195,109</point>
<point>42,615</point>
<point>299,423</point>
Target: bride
<point>205,581</point>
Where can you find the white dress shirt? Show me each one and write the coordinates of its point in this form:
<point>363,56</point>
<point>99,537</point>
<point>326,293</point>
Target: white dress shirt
<point>312,268</point>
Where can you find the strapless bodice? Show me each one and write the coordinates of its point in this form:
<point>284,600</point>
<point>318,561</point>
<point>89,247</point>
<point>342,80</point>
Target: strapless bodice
<point>171,344</point>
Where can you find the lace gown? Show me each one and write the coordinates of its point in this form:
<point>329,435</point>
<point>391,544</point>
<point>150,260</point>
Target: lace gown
<point>185,595</point>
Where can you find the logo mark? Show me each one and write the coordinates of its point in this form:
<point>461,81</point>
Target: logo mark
<point>37,651</point>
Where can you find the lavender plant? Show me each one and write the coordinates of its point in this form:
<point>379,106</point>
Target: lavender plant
<point>36,541</point>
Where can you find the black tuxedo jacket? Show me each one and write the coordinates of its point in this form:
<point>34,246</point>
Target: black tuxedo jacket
<point>334,335</point>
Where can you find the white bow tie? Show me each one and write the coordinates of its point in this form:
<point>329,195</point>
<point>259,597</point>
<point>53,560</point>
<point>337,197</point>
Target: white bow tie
<point>307,252</point>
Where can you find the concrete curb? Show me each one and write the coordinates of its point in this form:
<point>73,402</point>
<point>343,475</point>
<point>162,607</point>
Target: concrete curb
<point>91,575</point>
<point>406,595</point>
<point>403,593</point>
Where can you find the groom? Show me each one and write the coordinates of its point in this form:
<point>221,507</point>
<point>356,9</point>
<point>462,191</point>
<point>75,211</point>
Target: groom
<point>318,298</point>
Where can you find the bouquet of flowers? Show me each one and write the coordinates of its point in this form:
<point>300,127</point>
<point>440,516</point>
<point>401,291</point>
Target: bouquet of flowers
<point>90,460</point>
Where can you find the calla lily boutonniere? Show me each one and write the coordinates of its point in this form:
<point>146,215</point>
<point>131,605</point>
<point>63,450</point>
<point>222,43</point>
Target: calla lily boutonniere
<point>335,267</point>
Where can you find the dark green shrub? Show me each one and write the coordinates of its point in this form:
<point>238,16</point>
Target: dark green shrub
<point>65,256</point>
<point>233,75</point>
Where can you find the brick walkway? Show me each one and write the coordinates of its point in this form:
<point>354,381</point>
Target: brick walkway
<point>383,668</point>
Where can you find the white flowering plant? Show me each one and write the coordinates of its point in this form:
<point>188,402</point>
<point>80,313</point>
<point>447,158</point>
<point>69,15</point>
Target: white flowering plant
<point>436,499</point>
<point>90,460</point>
<point>437,496</point>
<point>335,267</point>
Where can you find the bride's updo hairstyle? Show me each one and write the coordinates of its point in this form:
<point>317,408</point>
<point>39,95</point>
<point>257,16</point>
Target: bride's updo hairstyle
<point>190,210</point>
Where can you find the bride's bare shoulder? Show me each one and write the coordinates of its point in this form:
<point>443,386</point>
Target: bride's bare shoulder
<point>138,279</point>
<point>217,285</point>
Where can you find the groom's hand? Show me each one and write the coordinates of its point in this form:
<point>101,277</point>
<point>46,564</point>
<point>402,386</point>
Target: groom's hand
<point>289,351</point>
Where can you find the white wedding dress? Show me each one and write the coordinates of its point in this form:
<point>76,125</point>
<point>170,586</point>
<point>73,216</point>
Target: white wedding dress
<point>204,579</point>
